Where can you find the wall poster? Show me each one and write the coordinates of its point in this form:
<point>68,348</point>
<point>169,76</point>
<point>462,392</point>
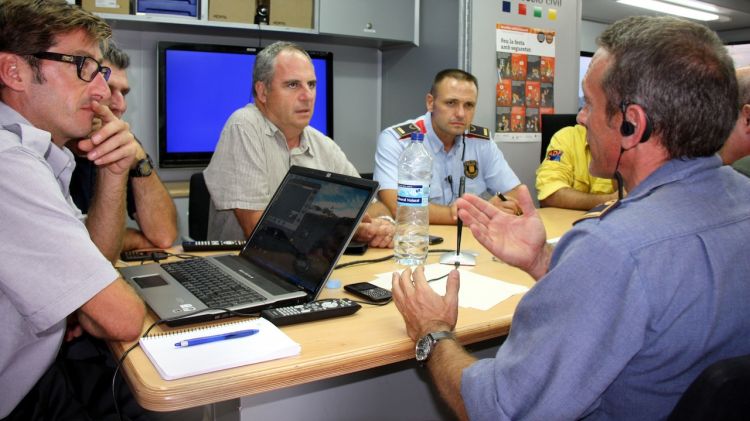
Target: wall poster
<point>525,81</point>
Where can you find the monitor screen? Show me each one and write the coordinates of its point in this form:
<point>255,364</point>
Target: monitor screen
<point>201,85</point>
<point>583,67</point>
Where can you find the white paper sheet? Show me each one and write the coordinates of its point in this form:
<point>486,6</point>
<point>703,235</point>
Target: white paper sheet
<point>476,291</point>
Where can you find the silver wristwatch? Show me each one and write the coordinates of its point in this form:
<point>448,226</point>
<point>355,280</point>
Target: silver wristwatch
<point>426,344</point>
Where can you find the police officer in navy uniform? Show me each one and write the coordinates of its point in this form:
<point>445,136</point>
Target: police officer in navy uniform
<point>458,149</point>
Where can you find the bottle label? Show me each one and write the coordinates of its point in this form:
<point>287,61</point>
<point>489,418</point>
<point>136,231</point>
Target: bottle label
<point>413,193</point>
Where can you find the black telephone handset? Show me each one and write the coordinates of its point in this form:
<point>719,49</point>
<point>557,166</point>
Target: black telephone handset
<point>369,291</point>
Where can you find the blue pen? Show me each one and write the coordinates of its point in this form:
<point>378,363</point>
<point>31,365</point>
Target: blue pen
<point>215,338</point>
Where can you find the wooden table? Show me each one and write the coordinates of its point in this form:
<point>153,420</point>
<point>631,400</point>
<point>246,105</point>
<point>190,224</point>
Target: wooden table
<point>373,337</point>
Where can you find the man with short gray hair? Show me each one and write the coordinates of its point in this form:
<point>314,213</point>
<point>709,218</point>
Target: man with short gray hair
<point>261,141</point>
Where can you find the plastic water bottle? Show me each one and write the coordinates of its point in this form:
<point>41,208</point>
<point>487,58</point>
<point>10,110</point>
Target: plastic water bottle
<point>412,217</point>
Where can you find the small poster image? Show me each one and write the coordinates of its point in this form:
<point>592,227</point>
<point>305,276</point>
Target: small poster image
<point>547,68</point>
<point>503,119</point>
<point>518,66</point>
<point>546,95</point>
<point>534,70</point>
<point>519,92</point>
<point>532,120</point>
<point>533,94</point>
<point>518,119</point>
<point>503,94</point>
<point>503,65</point>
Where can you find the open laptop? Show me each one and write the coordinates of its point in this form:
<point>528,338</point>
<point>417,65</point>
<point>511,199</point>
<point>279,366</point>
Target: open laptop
<point>287,259</point>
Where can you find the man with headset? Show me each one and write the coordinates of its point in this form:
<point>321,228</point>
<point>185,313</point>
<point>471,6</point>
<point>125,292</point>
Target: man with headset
<point>458,149</point>
<point>635,300</point>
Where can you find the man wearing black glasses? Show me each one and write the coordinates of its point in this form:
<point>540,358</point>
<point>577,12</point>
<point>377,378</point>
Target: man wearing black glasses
<point>54,279</point>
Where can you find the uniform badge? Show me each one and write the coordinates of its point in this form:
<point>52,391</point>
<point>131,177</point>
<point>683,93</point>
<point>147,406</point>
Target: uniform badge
<point>554,155</point>
<point>471,169</point>
<point>405,130</point>
<point>478,132</point>
<point>598,211</point>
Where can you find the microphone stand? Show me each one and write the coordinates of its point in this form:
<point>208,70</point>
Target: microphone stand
<point>458,259</point>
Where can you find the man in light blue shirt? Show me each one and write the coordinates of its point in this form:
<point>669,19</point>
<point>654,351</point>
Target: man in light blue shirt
<point>636,300</point>
<point>458,149</point>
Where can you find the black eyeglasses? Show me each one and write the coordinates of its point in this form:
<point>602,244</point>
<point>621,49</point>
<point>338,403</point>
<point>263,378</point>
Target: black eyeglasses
<point>87,67</point>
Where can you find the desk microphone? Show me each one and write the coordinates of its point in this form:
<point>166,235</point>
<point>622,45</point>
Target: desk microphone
<point>459,258</point>
<point>459,222</point>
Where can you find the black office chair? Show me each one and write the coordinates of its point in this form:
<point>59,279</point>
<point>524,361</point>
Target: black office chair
<point>551,124</point>
<point>720,393</point>
<point>198,204</point>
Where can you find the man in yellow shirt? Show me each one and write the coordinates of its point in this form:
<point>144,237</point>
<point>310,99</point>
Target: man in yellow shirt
<point>563,179</point>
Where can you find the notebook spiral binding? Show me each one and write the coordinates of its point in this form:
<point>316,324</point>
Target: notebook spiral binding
<point>193,329</point>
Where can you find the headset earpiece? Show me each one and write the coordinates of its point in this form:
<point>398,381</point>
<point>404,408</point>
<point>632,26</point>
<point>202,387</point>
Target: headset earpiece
<point>627,128</point>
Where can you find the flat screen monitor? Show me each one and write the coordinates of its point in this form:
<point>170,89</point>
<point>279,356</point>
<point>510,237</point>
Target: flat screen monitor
<point>201,85</point>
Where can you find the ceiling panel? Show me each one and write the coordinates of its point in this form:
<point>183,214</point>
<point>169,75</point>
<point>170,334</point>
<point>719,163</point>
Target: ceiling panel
<point>608,11</point>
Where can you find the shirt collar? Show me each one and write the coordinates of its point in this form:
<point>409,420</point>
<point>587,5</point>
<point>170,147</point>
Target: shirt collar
<point>434,143</point>
<point>673,170</point>
<point>31,137</point>
<point>60,160</point>
<point>273,131</point>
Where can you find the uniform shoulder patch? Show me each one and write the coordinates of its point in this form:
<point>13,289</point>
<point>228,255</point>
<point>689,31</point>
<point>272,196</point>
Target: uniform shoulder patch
<point>478,132</point>
<point>554,155</point>
<point>405,130</point>
<point>598,212</point>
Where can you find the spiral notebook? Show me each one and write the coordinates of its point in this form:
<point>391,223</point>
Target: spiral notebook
<point>174,362</point>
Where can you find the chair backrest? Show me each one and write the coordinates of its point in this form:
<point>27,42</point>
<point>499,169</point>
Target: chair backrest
<point>721,392</point>
<point>551,124</point>
<point>199,201</point>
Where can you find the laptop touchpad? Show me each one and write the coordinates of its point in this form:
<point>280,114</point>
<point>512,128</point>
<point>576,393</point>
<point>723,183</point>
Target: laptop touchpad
<point>149,281</point>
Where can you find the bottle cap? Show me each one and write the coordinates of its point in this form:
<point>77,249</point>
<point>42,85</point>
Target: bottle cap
<point>419,136</point>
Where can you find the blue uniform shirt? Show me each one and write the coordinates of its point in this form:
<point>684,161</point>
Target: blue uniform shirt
<point>634,306</point>
<point>486,171</point>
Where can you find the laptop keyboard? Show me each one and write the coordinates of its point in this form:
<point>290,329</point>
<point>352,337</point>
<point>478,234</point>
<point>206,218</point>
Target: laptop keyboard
<point>212,286</point>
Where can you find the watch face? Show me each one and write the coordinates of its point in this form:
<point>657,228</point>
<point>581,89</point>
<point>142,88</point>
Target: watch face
<point>423,348</point>
<point>427,342</point>
<point>144,168</point>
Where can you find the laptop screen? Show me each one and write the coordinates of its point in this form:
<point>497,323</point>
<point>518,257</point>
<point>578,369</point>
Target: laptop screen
<point>307,225</point>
